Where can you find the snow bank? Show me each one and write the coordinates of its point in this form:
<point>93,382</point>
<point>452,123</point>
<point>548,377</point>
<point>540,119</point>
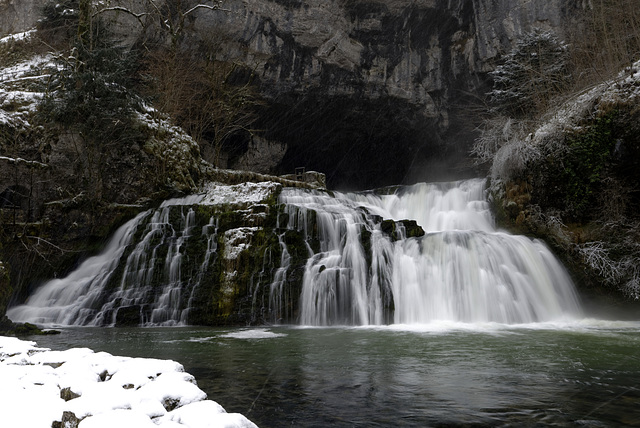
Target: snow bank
<point>102,390</point>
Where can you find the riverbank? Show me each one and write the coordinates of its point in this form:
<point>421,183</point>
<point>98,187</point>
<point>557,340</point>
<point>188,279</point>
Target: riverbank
<point>86,389</point>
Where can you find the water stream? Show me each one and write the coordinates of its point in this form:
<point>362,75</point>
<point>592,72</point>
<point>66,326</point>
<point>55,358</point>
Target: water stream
<point>463,269</point>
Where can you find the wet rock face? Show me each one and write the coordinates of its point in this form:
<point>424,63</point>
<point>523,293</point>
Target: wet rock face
<point>18,15</point>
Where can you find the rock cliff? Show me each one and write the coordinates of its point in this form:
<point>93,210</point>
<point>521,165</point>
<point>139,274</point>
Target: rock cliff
<point>373,92</point>
<point>370,92</point>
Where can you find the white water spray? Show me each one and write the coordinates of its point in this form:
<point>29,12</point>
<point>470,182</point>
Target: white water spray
<point>462,270</point>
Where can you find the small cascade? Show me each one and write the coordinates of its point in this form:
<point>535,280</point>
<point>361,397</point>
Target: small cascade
<point>168,306</point>
<point>70,300</point>
<point>210,233</point>
<point>277,295</point>
<point>461,270</point>
<point>140,275</point>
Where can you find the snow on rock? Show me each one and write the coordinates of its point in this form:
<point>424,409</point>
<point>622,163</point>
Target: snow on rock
<point>244,194</point>
<point>101,390</point>
<point>18,96</point>
<point>178,152</point>
<point>17,36</point>
<point>237,240</point>
<point>199,414</point>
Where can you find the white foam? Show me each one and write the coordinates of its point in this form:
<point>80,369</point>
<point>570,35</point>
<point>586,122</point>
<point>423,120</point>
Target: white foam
<point>258,333</point>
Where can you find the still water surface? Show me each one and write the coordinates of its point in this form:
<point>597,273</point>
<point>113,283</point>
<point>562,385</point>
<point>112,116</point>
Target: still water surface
<point>584,373</point>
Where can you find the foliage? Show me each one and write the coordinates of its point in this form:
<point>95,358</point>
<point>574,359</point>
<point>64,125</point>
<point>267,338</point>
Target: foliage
<point>59,21</point>
<point>90,96</point>
<point>582,169</point>
<point>614,256</point>
<point>92,92</point>
<point>212,100</point>
<point>605,40</point>
<point>535,69</point>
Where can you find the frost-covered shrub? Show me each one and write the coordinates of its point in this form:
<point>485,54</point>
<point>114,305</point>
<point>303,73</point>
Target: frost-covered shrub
<point>617,264</point>
<point>597,256</point>
<point>536,69</point>
<point>495,133</point>
<point>551,221</point>
<point>512,160</point>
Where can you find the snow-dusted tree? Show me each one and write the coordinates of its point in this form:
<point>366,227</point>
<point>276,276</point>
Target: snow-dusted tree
<point>536,68</point>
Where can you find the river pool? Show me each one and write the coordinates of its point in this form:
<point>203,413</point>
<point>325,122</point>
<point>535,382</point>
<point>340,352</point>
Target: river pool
<point>577,373</point>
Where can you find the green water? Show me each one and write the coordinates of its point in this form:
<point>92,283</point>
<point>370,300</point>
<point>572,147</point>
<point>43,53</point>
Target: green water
<point>584,373</point>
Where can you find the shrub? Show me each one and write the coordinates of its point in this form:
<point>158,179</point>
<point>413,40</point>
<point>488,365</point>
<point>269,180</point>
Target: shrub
<point>585,165</point>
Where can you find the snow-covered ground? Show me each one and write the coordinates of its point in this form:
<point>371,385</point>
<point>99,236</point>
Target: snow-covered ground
<point>38,385</point>
<point>18,94</point>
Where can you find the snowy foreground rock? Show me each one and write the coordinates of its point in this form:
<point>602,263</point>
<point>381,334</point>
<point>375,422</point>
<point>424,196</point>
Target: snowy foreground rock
<point>79,387</point>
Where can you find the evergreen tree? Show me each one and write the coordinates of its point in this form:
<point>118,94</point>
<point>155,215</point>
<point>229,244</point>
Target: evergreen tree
<point>92,96</point>
<point>536,68</point>
<point>92,91</point>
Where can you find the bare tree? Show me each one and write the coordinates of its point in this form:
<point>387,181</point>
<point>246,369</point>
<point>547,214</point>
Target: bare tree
<point>606,39</point>
<point>212,100</point>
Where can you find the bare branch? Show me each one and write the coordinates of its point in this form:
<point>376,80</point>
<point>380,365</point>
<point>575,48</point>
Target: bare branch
<point>138,16</point>
<point>206,6</point>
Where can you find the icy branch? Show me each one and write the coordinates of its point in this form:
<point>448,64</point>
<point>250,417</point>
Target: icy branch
<point>597,257</point>
<point>205,6</point>
<point>27,162</point>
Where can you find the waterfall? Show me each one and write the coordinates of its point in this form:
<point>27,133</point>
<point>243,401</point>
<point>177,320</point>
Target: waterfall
<point>412,254</point>
<point>462,269</point>
<point>149,281</point>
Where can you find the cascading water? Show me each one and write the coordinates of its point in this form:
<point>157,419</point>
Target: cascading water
<point>422,253</point>
<point>462,269</point>
<point>152,282</point>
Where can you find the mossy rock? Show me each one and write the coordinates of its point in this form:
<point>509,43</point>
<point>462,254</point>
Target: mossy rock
<point>411,229</point>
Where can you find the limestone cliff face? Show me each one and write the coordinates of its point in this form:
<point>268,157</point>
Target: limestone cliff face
<point>404,48</point>
<point>18,15</point>
<point>378,83</point>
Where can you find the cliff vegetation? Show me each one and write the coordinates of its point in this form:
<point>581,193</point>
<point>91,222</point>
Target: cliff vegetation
<point>562,146</point>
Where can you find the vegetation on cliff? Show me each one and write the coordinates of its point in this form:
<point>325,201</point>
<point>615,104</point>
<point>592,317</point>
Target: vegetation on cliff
<point>564,164</point>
